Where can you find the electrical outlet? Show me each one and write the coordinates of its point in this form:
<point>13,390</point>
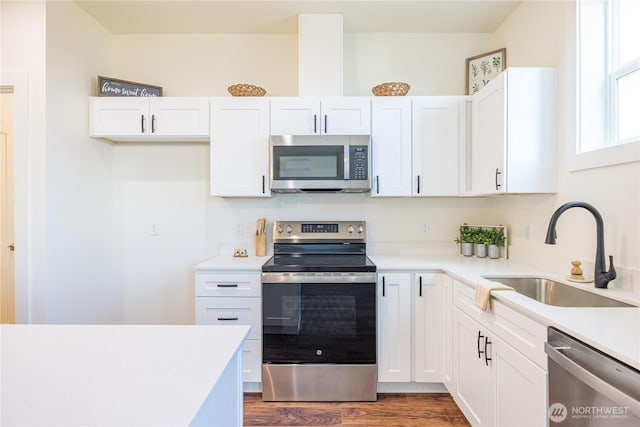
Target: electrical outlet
<point>239,230</point>
<point>528,232</point>
<point>155,229</point>
<point>426,227</point>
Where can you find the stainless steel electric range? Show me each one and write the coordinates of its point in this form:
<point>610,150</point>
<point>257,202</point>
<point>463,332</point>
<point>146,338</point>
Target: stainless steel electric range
<point>319,314</point>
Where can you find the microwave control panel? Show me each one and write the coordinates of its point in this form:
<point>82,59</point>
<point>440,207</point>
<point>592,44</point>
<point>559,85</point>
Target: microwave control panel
<point>358,162</point>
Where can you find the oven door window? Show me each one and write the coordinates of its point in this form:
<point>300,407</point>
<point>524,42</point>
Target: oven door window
<point>319,323</point>
<point>308,162</point>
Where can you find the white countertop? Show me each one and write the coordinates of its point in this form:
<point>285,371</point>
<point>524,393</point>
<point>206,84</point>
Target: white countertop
<point>111,374</point>
<point>615,331</point>
<point>232,263</point>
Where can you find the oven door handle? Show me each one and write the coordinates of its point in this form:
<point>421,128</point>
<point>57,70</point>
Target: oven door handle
<point>593,381</point>
<point>319,278</point>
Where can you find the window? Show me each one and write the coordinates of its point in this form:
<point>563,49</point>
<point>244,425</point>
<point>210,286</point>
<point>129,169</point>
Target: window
<point>609,78</point>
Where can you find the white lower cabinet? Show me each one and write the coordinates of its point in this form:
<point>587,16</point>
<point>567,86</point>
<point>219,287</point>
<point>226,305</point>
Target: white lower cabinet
<point>233,298</point>
<point>394,327</point>
<point>495,385</point>
<point>410,327</point>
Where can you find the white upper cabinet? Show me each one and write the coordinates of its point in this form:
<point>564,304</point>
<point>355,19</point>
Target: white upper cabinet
<point>317,116</point>
<point>419,145</point>
<point>439,141</point>
<point>149,118</point>
<point>391,146</point>
<point>514,136</point>
<point>240,147</point>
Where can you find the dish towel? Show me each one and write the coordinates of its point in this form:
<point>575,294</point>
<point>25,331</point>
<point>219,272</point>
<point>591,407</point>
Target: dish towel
<point>483,293</point>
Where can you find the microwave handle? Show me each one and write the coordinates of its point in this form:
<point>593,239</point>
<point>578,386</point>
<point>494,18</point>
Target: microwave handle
<point>347,162</point>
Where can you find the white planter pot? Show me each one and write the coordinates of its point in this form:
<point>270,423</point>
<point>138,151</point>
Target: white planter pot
<point>481,250</point>
<point>467,249</point>
<point>494,251</point>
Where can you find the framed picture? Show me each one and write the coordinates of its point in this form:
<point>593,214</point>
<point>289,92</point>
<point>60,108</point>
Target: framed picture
<point>108,86</point>
<point>484,67</point>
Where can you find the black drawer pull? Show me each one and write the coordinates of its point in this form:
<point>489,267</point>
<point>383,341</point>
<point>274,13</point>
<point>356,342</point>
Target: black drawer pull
<point>383,285</point>
<point>227,285</point>
<point>480,336</point>
<point>486,358</point>
<point>227,318</point>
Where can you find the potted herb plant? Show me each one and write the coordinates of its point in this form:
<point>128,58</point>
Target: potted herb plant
<point>466,240</point>
<point>496,241</point>
<point>480,241</point>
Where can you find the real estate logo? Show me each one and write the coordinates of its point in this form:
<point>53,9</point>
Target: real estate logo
<point>557,412</point>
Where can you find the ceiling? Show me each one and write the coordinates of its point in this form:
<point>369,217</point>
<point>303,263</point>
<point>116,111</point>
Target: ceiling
<point>266,16</point>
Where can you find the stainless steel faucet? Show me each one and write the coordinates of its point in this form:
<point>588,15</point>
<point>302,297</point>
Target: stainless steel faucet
<point>602,277</point>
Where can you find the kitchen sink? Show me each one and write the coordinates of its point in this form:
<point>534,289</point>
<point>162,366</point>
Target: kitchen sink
<point>550,292</point>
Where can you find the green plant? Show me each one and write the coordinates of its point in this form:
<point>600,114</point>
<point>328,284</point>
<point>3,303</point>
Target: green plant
<point>466,235</point>
<point>496,236</point>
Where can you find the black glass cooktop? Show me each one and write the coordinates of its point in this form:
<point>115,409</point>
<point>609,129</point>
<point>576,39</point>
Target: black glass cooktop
<point>320,263</point>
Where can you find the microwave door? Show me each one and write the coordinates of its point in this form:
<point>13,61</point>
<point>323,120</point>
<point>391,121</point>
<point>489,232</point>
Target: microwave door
<point>308,167</point>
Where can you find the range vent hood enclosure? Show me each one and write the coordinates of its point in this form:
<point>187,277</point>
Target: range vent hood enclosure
<point>320,55</point>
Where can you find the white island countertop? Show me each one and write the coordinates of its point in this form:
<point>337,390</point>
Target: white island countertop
<point>116,375</point>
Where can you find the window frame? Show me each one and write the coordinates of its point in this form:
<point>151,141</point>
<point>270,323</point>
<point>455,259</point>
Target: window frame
<point>610,151</point>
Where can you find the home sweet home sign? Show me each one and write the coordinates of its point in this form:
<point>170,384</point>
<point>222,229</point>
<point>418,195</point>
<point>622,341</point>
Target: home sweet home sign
<point>115,87</point>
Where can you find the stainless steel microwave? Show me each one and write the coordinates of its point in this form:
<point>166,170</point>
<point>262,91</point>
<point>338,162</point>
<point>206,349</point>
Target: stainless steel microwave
<point>320,163</point>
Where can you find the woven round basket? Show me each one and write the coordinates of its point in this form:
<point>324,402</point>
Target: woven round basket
<point>391,89</point>
<point>246,90</point>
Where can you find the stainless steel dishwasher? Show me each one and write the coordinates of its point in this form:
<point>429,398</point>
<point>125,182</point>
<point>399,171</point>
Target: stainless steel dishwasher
<point>589,388</point>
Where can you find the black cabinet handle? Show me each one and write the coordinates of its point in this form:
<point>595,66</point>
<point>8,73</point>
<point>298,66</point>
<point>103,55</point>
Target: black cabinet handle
<point>315,123</point>
<point>153,123</point>
<point>383,286</point>
<point>142,122</point>
<point>420,280</point>
<point>325,123</point>
<point>498,173</point>
<point>377,184</point>
<point>263,187</point>
<point>227,318</point>
<point>486,358</point>
<point>418,184</point>
<point>227,285</point>
<point>480,352</point>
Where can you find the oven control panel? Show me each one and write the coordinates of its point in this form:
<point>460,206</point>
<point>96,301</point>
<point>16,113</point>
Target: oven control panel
<point>315,230</point>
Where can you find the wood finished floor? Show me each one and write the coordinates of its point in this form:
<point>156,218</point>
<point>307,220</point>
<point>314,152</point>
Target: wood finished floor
<point>407,410</point>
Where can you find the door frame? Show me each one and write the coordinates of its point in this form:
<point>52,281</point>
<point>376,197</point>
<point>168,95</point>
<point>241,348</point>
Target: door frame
<point>21,143</point>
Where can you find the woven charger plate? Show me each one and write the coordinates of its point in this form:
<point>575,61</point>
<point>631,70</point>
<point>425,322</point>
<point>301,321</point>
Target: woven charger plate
<point>245,89</point>
<point>391,89</point>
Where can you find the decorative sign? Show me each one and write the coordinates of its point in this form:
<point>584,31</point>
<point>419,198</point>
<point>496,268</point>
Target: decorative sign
<point>115,87</point>
<point>482,68</point>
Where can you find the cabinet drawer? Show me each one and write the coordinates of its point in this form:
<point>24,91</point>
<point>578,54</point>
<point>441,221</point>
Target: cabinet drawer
<point>464,298</point>
<point>231,311</point>
<point>227,285</point>
<point>252,361</point>
<point>525,335</point>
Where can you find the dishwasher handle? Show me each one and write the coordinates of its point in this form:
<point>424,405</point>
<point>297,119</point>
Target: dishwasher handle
<point>590,379</point>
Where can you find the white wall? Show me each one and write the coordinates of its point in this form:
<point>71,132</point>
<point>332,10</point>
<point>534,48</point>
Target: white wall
<point>543,33</point>
<point>206,64</point>
<point>81,285</point>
